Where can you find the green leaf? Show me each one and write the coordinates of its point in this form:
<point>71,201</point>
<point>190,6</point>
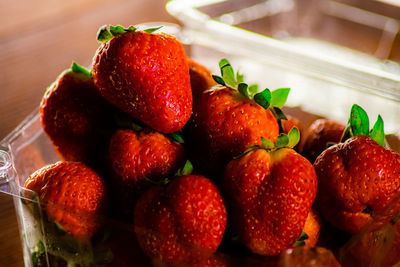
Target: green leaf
<point>253,89</point>
<point>239,77</point>
<point>40,246</point>
<point>177,137</point>
<point>266,143</point>
<point>79,69</point>
<point>283,141</point>
<point>359,121</point>
<point>60,227</point>
<point>242,88</point>
<point>294,137</point>
<point>103,35</point>
<point>187,169</point>
<point>279,97</point>
<point>227,73</point>
<point>123,120</point>
<point>263,98</point>
<point>39,250</point>
<point>278,113</point>
<point>35,258</point>
<point>300,240</point>
<point>346,133</point>
<point>151,30</point>
<point>377,132</point>
<point>117,30</point>
<point>218,80</point>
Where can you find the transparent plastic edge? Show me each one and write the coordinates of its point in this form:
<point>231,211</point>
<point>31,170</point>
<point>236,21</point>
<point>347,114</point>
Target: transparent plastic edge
<point>373,80</point>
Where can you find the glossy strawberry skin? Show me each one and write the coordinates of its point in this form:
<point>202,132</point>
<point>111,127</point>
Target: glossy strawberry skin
<point>72,195</point>
<point>75,118</point>
<point>182,222</point>
<point>225,124</point>
<point>147,76</point>
<point>134,157</point>
<point>270,195</point>
<point>319,136</point>
<point>354,177</point>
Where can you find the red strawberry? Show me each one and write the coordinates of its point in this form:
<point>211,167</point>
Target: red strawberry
<point>75,116</point>
<point>227,120</point>
<point>312,228</point>
<point>134,157</point>
<point>182,222</point>
<point>146,75</point>
<point>72,195</point>
<point>200,78</point>
<point>319,136</point>
<point>376,246</point>
<point>270,190</point>
<point>359,177</point>
<point>306,257</point>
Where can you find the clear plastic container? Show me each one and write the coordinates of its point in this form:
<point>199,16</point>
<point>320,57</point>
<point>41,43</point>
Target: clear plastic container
<point>322,84</point>
<point>301,45</point>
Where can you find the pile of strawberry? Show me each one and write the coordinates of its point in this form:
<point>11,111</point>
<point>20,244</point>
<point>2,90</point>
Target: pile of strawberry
<point>193,164</point>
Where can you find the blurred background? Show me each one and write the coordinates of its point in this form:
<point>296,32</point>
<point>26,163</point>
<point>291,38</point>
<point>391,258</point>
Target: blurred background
<point>38,40</point>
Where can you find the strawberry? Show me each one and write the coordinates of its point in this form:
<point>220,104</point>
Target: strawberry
<point>357,177</point>
<point>72,195</point>
<point>319,136</point>
<point>376,246</point>
<point>75,117</point>
<point>230,117</point>
<point>270,191</point>
<point>134,158</point>
<point>146,75</point>
<point>181,222</point>
<point>312,228</point>
<point>200,78</point>
<point>306,257</point>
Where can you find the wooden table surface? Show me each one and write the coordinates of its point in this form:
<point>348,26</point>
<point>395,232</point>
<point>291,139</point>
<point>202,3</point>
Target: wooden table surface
<point>39,39</point>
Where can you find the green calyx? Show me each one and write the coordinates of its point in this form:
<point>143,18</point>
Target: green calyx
<point>177,137</point>
<point>273,100</point>
<point>289,140</point>
<point>185,170</point>
<point>60,228</point>
<point>76,68</point>
<point>104,35</point>
<point>358,124</point>
<point>300,241</point>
